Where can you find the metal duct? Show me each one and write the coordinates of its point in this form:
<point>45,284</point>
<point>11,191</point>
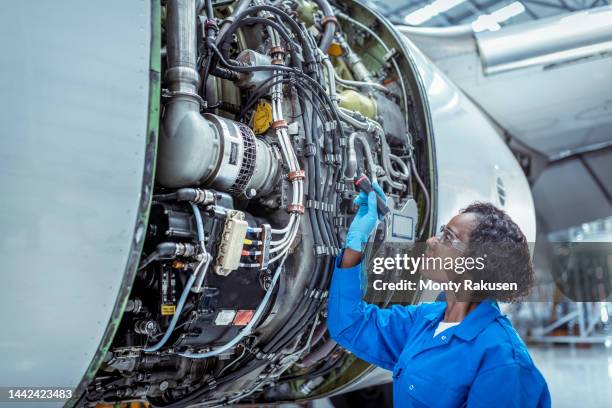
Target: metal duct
<point>197,150</point>
<point>547,41</point>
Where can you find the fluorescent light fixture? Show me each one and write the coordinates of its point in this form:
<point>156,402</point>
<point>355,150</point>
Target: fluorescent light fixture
<point>428,12</point>
<point>491,21</point>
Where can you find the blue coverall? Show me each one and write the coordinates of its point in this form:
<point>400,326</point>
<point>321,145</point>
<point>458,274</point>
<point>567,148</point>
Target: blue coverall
<point>481,362</point>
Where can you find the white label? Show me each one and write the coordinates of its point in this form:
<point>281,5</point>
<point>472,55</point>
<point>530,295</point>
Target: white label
<point>225,317</point>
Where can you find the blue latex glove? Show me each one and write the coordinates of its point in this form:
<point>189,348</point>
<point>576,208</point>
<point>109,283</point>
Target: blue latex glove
<point>365,220</point>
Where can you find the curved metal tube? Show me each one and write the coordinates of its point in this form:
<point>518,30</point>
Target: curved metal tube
<point>351,167</point>
<point>360,84</point>
<point>188,144</point>
<point>405,173</point>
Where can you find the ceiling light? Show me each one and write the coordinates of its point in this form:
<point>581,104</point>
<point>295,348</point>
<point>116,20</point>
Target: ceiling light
<point>428,12</point>
<point>491,21</point>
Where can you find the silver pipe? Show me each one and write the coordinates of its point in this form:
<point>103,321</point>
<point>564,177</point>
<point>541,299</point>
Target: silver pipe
<point>181,46</point>
<point>443,33</point>
<point>331,72</point>
<point>354,61</point>
<point>351,167</point>
<point>188,143</point>
<point>368,125</point>
<point>405,173</point>
<point>549,41</point>
<point>360,84</point>
<point>391,172</point>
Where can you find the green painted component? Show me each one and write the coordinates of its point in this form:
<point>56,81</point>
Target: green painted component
<point>155,60</point>
<point>306,10</point>
<point>355,101</point>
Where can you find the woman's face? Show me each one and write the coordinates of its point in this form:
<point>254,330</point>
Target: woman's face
<point>447,244</point>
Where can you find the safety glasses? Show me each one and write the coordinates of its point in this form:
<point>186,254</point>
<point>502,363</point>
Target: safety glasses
<point>448,237</point>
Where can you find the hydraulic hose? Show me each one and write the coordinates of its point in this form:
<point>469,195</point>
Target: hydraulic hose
<point>329,24</point>
<point>179,309</point>
<point>249,327</point>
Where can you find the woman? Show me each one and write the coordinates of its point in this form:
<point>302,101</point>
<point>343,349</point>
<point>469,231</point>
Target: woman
<point>455,353</point>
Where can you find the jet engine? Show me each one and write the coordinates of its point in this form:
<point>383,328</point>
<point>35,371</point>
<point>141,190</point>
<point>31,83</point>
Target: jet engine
<point>269,110</point>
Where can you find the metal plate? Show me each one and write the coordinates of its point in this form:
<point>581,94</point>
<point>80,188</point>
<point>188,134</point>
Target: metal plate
<point>75,85</point>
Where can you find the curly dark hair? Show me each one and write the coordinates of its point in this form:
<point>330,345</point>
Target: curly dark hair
<point>507,252</point>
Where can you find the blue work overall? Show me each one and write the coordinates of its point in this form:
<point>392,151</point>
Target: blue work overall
<point>482,362</point>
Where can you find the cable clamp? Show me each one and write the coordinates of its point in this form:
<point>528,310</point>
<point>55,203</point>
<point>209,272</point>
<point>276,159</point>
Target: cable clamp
<point>168,94</point>
<point>277,49</point>
<point>339,221</point>
<point>329,19</point>
<point>320,250</point>
<point>279,124</point>
<point>296,175</point>
<point>310,149</point>
<point>293,129</point>
<point>211,23</point>
<point>329,126</point>
<point>312,204</point>
<point>295,208</point>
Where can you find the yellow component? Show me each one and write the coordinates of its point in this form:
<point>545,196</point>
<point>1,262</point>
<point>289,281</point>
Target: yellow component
<point>355,101</point>
<point>335,50</point>
<point>168,310</point>
<point>248,242</point>
<point>262,118</point>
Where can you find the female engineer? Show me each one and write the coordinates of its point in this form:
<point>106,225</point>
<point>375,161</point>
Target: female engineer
<point>461,352</point>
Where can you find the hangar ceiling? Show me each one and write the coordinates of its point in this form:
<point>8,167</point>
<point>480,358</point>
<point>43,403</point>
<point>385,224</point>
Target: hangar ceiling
<point>466,11</point>
<point>562,112</point>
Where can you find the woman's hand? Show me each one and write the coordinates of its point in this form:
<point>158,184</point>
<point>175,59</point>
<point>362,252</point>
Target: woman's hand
<point>365,220</point>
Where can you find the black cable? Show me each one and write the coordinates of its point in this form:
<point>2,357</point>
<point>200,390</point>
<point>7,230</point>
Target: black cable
<point>329,26</point>
<point>277,27</point>
<point>295,28</point>
<point>154,256</point>
<point>308,305</point>
<point>197,395</point>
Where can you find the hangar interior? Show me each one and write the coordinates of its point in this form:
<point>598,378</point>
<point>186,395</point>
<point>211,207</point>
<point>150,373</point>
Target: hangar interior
<point>198,162</point>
